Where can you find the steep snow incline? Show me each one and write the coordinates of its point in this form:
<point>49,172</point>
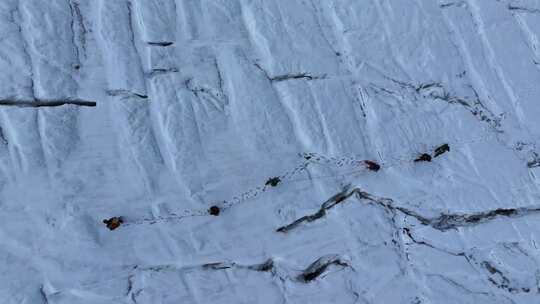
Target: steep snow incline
<point>156,110</point>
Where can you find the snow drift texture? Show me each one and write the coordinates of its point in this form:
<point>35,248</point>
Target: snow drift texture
<point>199,103</point>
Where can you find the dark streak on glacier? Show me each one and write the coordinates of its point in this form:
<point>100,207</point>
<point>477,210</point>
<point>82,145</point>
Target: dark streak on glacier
<point>523,9</point>
<point>295,76</point>
<point>38,103</point>
<point>329,204</point>
<point>3,139</point>
<point>77,28</point>
<point>289,76</point>
<point>16,16</point>
<point>126,93</point>
<point>43,295</point>
<point>443,222</point>
<point>156,72</point>
<point>437,91</point>
<point>160,43</point>
<point>317,268</point>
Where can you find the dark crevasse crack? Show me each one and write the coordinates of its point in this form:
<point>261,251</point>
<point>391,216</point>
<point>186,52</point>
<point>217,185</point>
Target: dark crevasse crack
<point>289,76</point>
<point>447,221</point>
<point>131,291</point>
<point>523,9</point>
<point>451,221</point>
<point>310,273</point>
<point>500,280</point>
<point>16,19</point>
<point>3,139</point>
<point>407,232</point>
<point>496,276</point>
<point>78,32</point>
<point>329,204</point>
<point>437,91</point>
<point>317,268</point>
<point>131,26</point>
<point>529,149</point>
<point>466,288</point>
<point>126,93</point>
<point>159,71</point>
<point>43,294</point>
<point>266,266</point>
<point>218,265</point>
<point>295,76</point>
<point>220,77</point>
<point>534,160</point>
<point>130,284</point>
<point>443,222</point>
<point>38,103</point>
<point>160,43</point>
<point>450,4</point>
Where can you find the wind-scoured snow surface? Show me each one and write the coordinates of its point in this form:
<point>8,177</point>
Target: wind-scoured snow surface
<point>155,110</point>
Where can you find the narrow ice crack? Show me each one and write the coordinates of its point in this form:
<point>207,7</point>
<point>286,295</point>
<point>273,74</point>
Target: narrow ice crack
<point>38,103</point>
<point>126,93</point>
<point>319,267</point>
<point>159,71</point>
<point>160,43</point>
<point>523,9</point>
<point>289,76</point>
<point>443,222</point>
<point>76,23</point>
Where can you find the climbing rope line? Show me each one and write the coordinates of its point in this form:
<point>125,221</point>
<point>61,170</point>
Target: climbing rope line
<point>357,163</point>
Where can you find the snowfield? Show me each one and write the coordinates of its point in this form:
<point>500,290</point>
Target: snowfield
<point>157,110</point>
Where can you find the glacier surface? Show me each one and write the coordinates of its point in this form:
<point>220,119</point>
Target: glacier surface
<point>156,110</point>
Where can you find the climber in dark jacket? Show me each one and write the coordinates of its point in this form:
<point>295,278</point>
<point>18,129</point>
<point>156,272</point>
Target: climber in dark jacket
<point>372,166</point>
<point>214,210</point>
<point>441,149</point>
<point>274,181</point>
<point>423,157</point>
<point>113,222</point>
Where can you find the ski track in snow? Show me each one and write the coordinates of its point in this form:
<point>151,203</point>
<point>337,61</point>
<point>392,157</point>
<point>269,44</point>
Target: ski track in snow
<point>156,110</point>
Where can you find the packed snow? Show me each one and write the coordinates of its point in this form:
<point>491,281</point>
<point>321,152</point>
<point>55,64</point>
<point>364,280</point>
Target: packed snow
<point>269,151</point>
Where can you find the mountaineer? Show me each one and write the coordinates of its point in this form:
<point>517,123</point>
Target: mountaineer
<point>441,149</point>
<point>113,222</point>
<point>214,210</point>
<point>274,181</point>
<point>371,165</point>
<point>423,157</point>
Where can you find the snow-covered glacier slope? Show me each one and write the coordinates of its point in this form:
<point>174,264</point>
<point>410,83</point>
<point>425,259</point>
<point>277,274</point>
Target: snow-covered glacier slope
<point>156,110</point>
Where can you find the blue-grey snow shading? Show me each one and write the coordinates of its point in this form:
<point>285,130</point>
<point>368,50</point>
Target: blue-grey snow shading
<point>158,110</point>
